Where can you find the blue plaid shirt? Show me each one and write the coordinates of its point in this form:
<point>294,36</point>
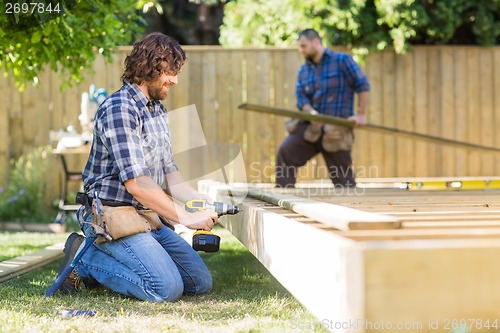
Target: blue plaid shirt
<point>329,86</point>
<point>131,139</point>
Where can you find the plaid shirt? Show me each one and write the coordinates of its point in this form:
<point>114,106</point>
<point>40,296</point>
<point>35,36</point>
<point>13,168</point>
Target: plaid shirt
<point>131,139</point>
<point>329,86</point>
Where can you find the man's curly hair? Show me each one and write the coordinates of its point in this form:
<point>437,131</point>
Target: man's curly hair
<point>151,56</point>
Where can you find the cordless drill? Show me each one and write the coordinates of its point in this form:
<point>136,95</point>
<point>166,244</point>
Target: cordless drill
<point>204,240</point>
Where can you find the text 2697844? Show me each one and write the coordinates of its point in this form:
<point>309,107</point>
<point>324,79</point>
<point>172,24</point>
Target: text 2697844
<point>31,8</point>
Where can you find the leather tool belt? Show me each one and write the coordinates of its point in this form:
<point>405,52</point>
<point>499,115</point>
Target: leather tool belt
<point>120,220</point>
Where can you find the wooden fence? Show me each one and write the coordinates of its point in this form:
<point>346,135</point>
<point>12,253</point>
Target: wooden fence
<point>453,92</point>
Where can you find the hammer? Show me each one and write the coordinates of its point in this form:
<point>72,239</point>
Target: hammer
<point>88,243</point>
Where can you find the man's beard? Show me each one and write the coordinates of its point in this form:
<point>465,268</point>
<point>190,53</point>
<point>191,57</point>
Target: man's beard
<point>155,92</point>
<point>310,56</point>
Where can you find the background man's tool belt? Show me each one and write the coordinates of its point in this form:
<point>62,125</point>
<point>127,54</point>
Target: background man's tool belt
<point>337,138</point>
<point>312,132</point>
<point>292,125</point>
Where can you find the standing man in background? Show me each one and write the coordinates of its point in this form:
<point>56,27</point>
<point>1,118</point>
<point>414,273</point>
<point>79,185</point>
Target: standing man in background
<point>326,84</point>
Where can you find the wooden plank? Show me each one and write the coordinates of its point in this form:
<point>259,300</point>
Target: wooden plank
<point>14,267</point>
<point>97,78</point>
<point>114,72</point>
<point>293,61</point>
<point>29,114</point>
<point>72,98</point>
<point>421,224</point>
<point>421,106</point>
<point>496,102</point>
<point>338,217</point>
<point>255,123</point>
<point>405,114</point>
<point>473,109</point>
<point>179,95</point>
<point>360,156</point>
<point>448,110</point>
<point>423,234</point>
<point>294,113</point>
<point>183,118</point>
<point>389,113</point>
<point>237,96</point>
<point>45,107</point>
<point>54,177</point>
<point>460,96</point>
<point>370,127</point>
<point>222,108</point>
<point>266,127</point>
<point>487,108</point>
<point>57,115</point>
<point>430,284</point>
<point>196,76</point>
<point>459,217</point>
<point>209,88</point>
<point>375,153</point>
<point>224,113</point>
<point>16,120</point>
<point>434,160</point>
<point>280,93</point>
<point>102,77</point>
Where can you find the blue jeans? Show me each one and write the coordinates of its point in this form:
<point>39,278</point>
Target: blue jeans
<point>153,266</point>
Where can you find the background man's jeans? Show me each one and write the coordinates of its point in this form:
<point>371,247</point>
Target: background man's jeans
<point>153,266</point>
<point>294,152</point>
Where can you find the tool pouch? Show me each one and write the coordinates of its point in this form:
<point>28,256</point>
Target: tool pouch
<point>124,221</point>
<point>337,138</point>
<point>292,125</point>
<point>312,133</point>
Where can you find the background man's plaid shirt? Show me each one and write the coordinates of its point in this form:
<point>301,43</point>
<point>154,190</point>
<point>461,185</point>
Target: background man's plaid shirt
<point>329,86</point>
<point>131,139</point>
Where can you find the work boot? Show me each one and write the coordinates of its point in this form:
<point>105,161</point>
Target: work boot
<point>73,282</point>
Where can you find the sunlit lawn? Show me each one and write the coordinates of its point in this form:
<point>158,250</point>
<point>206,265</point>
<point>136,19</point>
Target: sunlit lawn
<point>245,298</point>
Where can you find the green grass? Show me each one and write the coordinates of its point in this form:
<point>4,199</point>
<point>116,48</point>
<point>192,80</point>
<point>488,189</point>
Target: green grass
<point>245,298</point>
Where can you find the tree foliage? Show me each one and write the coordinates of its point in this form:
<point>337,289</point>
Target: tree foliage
<point>193,22</point>
<point>363,25</point>
<point>67,43</point>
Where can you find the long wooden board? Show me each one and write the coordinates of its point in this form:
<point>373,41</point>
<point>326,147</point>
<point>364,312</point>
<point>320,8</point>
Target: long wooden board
<point>14,267</point>
<point>370,127</point>
<point>338,217</point>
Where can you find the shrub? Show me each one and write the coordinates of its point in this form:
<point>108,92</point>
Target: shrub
<point>23,199</point>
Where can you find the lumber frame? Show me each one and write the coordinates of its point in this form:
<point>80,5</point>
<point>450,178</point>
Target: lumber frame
<point>338,217</point>
<point>342,278</point>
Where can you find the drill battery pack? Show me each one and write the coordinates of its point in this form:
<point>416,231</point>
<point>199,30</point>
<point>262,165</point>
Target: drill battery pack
<point>204,240</point>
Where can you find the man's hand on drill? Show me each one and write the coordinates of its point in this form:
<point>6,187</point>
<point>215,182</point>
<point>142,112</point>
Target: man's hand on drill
<point>205,219</point>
